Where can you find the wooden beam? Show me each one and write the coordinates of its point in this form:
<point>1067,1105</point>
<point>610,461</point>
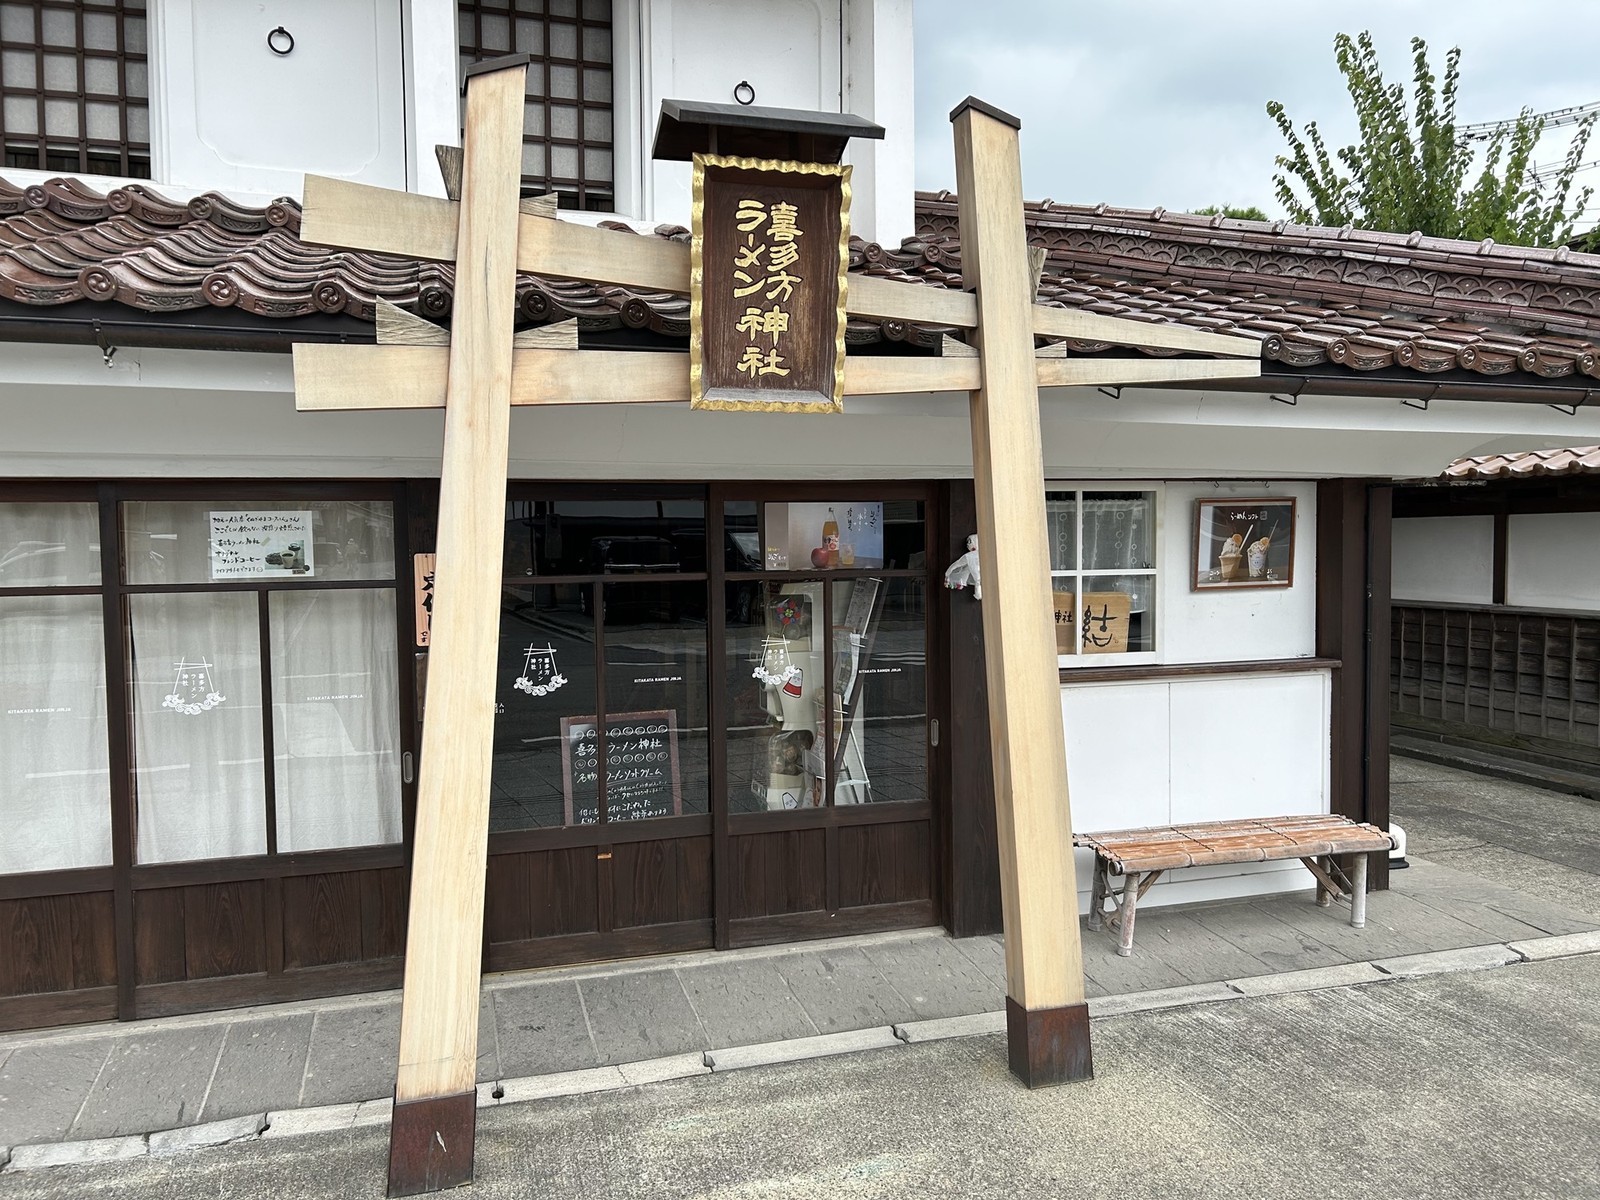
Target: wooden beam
<point>1120,331</point>
<point>331,378</point>
<point>436,1084</point>
<point>393,375</point>
<point>1047,1015</point>
<point>1085,371</point>
<point>545,205</point>
<point>356,216</point>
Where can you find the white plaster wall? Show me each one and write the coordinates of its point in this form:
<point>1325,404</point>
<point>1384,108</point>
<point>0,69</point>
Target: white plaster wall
<point>879,85</point>
<point>207,414</point>
<point>231,115</point>
<point>1234,626</point>
<point>1204,749</point>
<point>1447,560</point>
<point>1553,560</point>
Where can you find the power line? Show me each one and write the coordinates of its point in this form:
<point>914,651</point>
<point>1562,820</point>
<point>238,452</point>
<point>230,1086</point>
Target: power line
<point>1554,119</point>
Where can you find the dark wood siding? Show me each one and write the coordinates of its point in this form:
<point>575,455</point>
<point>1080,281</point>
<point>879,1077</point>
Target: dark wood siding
<point>1523,678</point>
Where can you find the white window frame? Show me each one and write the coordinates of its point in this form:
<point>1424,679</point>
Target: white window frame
<point>1072,578</point>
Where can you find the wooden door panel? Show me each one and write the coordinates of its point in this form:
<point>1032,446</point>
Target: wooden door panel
<point>777,873</point>
<point>57,944</point>
<point>884,864</point>
<point>661,882</point>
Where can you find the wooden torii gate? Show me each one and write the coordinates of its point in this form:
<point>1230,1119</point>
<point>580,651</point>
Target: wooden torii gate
<point>478,372</point>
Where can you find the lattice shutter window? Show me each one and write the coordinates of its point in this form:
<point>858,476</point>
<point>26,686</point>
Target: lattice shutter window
<point>74,86</point>
<point>567,130</point>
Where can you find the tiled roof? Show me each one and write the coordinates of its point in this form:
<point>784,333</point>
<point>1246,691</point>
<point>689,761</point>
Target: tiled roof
<point>1576,460</point>
<point>1362,302</point>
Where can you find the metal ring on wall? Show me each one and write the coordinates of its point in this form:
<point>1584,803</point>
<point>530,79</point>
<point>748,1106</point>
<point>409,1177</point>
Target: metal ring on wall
<point>744,93</point>
<point>280,37</point>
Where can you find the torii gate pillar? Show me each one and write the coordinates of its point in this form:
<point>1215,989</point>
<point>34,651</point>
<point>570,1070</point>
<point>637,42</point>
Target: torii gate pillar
<point>1047,1017</point>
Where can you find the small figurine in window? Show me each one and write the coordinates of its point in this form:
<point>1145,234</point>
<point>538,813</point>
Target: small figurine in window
<point>965,570</point>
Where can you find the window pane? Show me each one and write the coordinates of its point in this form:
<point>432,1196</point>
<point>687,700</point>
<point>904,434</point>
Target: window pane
<point>16,23</point>
<point>545,685</point>
<point>335,718</point>
<point>741,536</point>
<point>47,545</point>
<point>1117,613</point>
<point>863,534</point>
<point>657,749</point>
<point>170,541</point>
<point>18,70</point>
<point>1061,525</point>
<point>604,537</point>
<point>100,78</point>
<point>198,778</point>
<point>59,28</point>
<point>773,675</point>
<point>55,790</point>
<point>100,31</point>
<point>20,114</point>
<point>563,41</point>
<point>1119,531</point>
<point>880,710</point>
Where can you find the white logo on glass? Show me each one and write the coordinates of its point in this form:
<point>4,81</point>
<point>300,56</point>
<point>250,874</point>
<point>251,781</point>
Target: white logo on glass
<point>539,675</point>
<point>192,691</point>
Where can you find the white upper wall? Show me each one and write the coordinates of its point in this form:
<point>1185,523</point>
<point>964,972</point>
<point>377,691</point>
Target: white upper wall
<point>1446,560</point>
<point>1552,560</point>
<point>371,86</point>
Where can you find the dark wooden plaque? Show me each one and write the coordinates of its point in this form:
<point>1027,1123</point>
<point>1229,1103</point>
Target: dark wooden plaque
<point>767,284</point>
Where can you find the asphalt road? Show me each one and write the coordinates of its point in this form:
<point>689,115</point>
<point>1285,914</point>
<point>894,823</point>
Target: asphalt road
<point>1478,1084</point>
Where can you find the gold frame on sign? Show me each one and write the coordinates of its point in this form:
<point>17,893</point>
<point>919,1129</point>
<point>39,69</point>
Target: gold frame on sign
<point>697,391</point>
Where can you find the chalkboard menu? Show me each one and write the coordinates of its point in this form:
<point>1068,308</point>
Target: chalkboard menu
<point>641,767</point>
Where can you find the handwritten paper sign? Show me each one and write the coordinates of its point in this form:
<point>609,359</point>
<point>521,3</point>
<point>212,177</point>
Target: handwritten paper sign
<point>641,767</point>
<point>768,263</point>
<point>422,575</point>
<point>262,545</point>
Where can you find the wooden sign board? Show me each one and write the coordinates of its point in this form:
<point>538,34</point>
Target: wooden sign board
<point>767,281</point>
<point>642,778</point>
<point>422,590</point>
<point>1101,627</point>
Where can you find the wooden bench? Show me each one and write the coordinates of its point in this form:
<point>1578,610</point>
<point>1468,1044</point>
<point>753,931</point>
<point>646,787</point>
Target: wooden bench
<point>1142,856</point>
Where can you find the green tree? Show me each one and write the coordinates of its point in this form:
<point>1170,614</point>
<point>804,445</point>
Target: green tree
<point>1410,170</point>
<point>1252,213</point>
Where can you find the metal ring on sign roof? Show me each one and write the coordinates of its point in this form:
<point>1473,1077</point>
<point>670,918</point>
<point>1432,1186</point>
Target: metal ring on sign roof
<point>280,37</point>
<point>744,93</point>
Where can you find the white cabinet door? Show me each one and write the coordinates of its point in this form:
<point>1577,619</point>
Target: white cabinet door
<point>1250,747</point>
<point>787,50</point>
<point>235,116</point>
<point>1117,755</point>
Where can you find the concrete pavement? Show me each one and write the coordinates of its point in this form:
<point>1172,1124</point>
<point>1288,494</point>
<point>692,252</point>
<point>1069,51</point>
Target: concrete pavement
<point>1462,1085</point>
<point>1486,873</point>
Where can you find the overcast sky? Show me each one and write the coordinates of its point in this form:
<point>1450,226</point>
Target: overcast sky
<point>1163,102</point>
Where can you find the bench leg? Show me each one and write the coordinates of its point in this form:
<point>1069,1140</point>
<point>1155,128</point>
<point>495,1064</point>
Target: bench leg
<point>1358,892</point>
<point>1097,894</point>
<point>1130,901</point>
<point>1324,896</point>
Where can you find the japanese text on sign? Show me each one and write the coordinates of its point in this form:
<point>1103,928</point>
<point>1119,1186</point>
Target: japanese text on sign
<point>641,767</point>
<point>762,278</point>
<point>257,545</point>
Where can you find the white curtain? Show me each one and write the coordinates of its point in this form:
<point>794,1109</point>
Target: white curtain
<point>335,714</point>
<point>46,545</point>
<point>1118,532</point>
<point>199,781</point>
<point>55,798</point>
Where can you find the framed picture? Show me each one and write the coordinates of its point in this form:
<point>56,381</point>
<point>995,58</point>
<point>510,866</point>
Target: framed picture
<point>1243,543</point>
